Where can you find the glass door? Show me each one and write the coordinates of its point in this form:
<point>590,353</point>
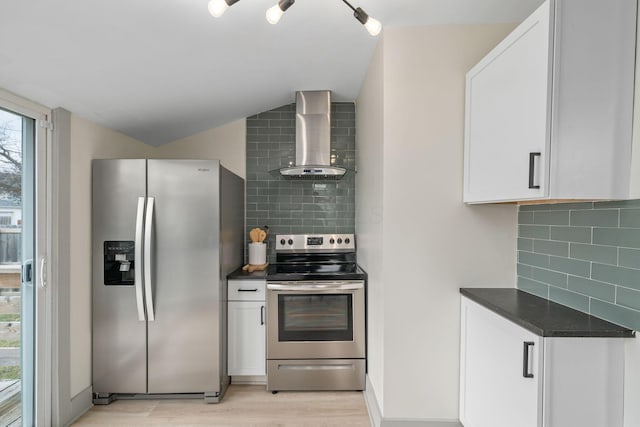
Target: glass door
<point>16,247</point>
<point>315,317</point>
<point>21,246</point>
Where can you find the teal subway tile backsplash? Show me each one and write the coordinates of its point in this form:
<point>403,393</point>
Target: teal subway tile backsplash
<point>525,244</point>
<point>628,298</point>
<point>526,208</point>
<point>532,259</point>
<point>571,206</point>
<point>534,231</point>
<point>630,218</point>
<point>616,313</point>
<point>599,218</point>
<point>624,237</point>
<point>583,255</point>
<point>622,276</point>
<point>524,270</point>
<point>557,207</point>
<point>525,217</point>
<point>568,298</point>
<point>628,257</point>
<point>533,287</point>
<point>592,288</point>
<point>606,236</point>
<point>571,266</point>
<point>625,204</point>
<point>292,206</point>
<point>551,217</point>
<point>551,248</point>
<point>550,277</point>
<point>571,234</point>
<point>603,254</point>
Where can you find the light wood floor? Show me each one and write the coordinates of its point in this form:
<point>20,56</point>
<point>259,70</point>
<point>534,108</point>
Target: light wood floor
<point>242,405</point>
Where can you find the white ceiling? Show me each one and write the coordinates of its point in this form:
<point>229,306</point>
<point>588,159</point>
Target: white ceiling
<point>160,70</point>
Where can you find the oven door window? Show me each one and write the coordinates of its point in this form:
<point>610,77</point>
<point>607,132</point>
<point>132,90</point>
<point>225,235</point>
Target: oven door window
<point>320,317</point>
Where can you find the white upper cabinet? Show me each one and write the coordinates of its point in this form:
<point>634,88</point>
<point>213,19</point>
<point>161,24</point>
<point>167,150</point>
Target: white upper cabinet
<point>549,110</point>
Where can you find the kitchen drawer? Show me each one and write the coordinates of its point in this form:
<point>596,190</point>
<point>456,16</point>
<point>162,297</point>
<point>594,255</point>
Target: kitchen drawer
<point>246,290</point>
<point>324,374</point>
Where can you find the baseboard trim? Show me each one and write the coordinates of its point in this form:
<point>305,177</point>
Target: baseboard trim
<point>372,404</point>
<point>377,420</point>
<point>400,422</point>
<point>80,404</point>
<point>249,379</point>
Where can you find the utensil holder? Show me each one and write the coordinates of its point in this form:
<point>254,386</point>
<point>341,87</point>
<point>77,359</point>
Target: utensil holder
<point>257,253</point>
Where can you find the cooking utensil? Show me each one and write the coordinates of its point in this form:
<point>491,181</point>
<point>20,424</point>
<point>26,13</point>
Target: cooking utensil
<point>254,234</point>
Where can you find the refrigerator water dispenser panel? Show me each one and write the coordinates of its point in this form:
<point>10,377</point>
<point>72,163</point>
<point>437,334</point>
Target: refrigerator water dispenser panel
<point>119,263</point>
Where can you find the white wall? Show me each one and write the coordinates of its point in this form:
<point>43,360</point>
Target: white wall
<point>634,188</point>
<point>369,212</point>
<point>632,383</point>
<point>632,347</point>
<point>90,141</point>
<point>433,243</point>
<point>227,143</point>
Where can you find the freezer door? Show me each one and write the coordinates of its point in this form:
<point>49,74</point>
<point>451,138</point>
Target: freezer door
<point>119,336</point>
<point>184,340</point>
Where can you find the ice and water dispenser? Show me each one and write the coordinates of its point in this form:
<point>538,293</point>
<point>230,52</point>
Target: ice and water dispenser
<point>119,262</point>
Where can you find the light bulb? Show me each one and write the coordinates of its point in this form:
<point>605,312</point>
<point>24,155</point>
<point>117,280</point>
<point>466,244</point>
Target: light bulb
<point>373,26</point>
<point>274,13</point>
<point>218,7</point>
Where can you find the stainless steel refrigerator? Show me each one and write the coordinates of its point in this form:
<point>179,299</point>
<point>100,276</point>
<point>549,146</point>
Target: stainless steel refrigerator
<point>165,235</point>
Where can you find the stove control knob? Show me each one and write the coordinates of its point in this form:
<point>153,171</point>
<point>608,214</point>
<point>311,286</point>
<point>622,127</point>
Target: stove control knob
<point>332,241</point>
<point>339,240</point>
<point>347,240</point>
<point>282,242</point>
<point>290,241</point>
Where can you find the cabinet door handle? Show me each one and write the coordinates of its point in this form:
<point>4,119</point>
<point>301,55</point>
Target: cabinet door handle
<point>532,165</point>
<point>525,359</point>
<point>248,290</point>
<point>261,315</point>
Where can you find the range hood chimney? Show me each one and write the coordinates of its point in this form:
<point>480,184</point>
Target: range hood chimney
<point>313,136</point>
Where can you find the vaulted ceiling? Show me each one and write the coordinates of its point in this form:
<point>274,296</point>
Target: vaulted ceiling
<point>159,70</point>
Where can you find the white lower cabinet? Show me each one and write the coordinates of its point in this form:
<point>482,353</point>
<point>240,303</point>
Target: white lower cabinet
<point>511,377</point>
<point>246,328</point>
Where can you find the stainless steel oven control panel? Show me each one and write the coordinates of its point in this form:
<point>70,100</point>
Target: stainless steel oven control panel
<point>315,242</point>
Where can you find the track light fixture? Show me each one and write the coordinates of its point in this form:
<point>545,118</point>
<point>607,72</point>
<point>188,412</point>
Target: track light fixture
<point>218,7</point>
<point>372,25</point>
<point>274,13</point>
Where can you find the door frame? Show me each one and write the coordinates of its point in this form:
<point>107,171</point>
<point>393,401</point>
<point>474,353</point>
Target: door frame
<point>42,249</point>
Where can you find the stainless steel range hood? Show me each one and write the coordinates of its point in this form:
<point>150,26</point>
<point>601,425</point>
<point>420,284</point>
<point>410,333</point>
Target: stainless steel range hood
<point>313,136</point>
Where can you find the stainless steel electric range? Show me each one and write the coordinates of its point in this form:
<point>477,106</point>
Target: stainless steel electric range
<point>316,314</point>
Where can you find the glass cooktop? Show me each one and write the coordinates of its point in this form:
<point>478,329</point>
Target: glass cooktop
<point>315,271</point>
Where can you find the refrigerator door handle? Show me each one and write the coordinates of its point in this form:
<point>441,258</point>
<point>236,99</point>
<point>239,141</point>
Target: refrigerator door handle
<point>138,259</point>
<point>148,247</point>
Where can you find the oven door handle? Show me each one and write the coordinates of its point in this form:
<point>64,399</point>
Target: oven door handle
<point>315,286</point>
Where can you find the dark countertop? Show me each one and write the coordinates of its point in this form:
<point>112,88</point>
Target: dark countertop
<point>543,317</point>
<point>240,274</point>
